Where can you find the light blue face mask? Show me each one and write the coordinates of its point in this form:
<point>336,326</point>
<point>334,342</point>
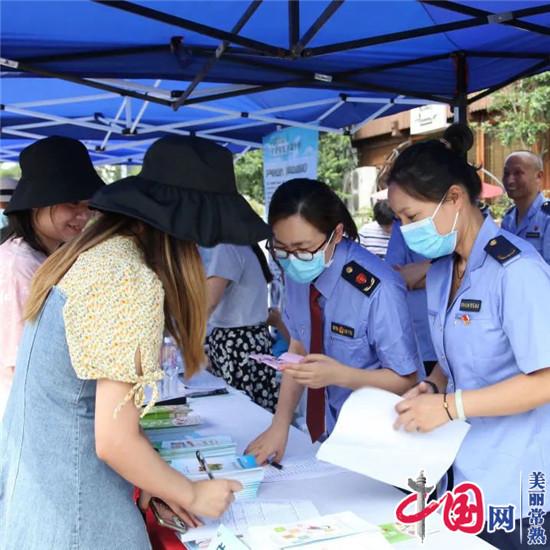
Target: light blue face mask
<point>3,219</point>
<point>306,271</point>
<point>423,238</point>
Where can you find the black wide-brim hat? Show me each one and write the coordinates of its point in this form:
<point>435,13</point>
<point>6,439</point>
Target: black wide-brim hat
<point>54,170</point>
<point>187,189</point>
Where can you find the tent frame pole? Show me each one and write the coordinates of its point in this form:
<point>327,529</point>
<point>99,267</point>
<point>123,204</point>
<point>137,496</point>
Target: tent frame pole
<point>527,72</point>
<point>509,18</point>
<point>372,116</point>
<point>317,25</point>
<point>212,32</point>
<point>220,50</point>
<point>476,21</point>
<point>461,98</point>
<point>293,23</point>
<point>17,65</point>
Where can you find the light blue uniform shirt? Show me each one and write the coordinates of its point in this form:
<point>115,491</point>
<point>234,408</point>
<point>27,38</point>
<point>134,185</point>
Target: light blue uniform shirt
<point>244,301</point>
<point>400,254</point>
<point>497,327</point>
<point>365,332</point>
<point>534,227</point>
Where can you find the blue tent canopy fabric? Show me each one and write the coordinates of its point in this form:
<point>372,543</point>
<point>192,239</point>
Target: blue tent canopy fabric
<point>250,66</point>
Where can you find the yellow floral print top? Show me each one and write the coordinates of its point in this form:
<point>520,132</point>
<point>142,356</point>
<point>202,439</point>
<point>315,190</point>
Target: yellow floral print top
<point>114,308</point>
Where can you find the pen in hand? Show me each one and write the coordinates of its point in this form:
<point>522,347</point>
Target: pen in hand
<point>203,464</point>
<point>275,465</point>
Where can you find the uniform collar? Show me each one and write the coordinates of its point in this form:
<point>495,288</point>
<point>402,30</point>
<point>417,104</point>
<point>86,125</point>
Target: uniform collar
<point>533,209</point>
<point>489,229</point>
<point>326,282</point>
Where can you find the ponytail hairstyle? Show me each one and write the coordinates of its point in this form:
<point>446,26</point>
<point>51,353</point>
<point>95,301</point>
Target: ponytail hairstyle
<point>426,170</point>
<point>314,201</point>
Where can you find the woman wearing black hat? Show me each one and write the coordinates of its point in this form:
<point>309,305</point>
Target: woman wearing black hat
<point>47,208</point>
<point>97,312</point>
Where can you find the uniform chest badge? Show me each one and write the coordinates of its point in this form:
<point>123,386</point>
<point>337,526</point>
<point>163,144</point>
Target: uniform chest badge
<point>464,318</point>
<point>470,305</point>
<point>342,330</point>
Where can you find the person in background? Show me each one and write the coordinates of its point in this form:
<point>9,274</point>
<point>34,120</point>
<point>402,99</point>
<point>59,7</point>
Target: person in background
<point>7,187</point>
<point>237,284</point>
<point>412,267</point>
<point>489,311</point>
<point>375,235</point>
<point>71,442</point>
<point>530,217</point>
<point>48,208</point>
<point>345,309</point>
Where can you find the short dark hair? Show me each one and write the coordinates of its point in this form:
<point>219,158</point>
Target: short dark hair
<point>21,224</point>
<point>314,201</point>
<point>426,170</point>
<point>382,212</point>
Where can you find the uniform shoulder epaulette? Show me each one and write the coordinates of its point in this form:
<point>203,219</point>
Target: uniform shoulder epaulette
<point>501,249</point>
<point>360,278</point>
<point>546,207</point>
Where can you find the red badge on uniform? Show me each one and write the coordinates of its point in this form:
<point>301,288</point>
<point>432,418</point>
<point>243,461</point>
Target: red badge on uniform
<point>465,319</point>
<point>361,279</point>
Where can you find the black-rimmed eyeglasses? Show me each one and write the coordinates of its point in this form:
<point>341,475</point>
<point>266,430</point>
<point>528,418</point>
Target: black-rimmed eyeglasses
<point>304,255</point>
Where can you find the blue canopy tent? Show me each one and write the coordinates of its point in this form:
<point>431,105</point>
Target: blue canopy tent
<point>119,129</point>
<point>234,71</point>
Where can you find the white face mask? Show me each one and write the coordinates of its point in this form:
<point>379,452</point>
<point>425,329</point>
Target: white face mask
<point>423,237</point>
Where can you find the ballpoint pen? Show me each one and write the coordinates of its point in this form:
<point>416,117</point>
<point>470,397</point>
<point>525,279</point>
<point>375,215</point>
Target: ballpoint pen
<point>203,464</point>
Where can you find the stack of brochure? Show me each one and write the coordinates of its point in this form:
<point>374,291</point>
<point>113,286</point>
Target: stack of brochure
<point>226,465</point>
<point>169,416</point>
<point>178,445</point>
<point>218,445</point>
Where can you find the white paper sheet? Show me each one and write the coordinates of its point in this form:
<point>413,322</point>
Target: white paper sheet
<point>334,532</point>
<point>297,469</point>
<point>243,515</point>
<point>365,441</point>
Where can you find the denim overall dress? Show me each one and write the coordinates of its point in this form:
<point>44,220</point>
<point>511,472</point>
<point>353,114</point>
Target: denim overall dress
<point>55,494</point>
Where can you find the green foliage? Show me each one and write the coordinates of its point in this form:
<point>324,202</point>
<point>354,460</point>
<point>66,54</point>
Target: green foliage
<point>500,206</point>
<point>336,158</point>
<point>114,172</point>
<point>10,169</point>
<point>257,206</point>
<point>519,113</point>
<point>249,171</point>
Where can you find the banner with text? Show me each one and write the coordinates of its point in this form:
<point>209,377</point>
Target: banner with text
<point>288,154</point>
